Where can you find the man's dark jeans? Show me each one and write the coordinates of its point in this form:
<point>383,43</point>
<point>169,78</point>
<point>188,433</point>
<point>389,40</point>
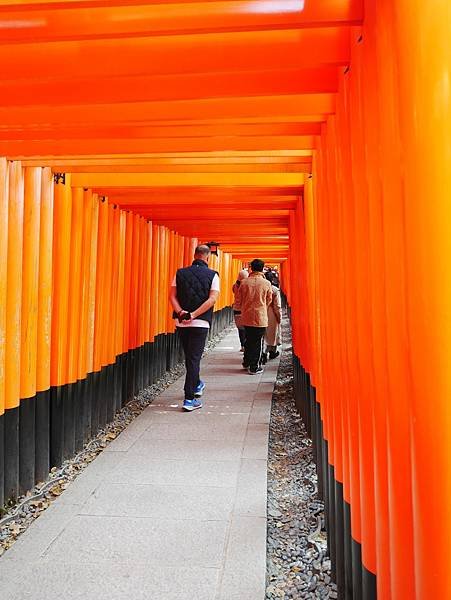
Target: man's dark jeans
<point>254,346</point>
<point>193,342</point>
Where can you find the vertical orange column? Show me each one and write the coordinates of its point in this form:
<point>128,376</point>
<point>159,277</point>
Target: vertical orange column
<point>293,249</point>
<point>423,54</point>
<point>141,308</point>
<point>220,269</point>
<point>322,260</point>
<point>311,287</point>
<point>365,368</point>
<point>110,299</point>
<point>121,285</point>
<point>294,289</point>
<point>29,314</point>
<point>226,279</point>
<point>84,380</point>
<point>370,100</point>
<point>32,187</point>
<point>148,277</point>
<point>328,357</point>
<point>156,297</point>
<point>100,285</point>
<point>91,201</point>
<point>13,327</point>
<point>60,316</point>
<point>127,278</point>
<point>287,272</point>
<point>134,283</point>
<point>162,279</point>
<point>175,264</point>
<point>4,188</point>
<point>143,285</point>
<point>148,305</point>
<point>162,303</point>
<point>119,308</point>
<point>216,264</point>
<point>166,282</point>
<point>91,205</point>
<point>61,258</point>
<point>138,284</point>
<point>99,393</point>
<point>350,332</point>
<point>14,281</point>
<point>333,381</point>
<point>154,282</point>
<point>194,244</point>
<point>223,270</point>
<point>186,252</point>
<point>84,287</point>
<point>161,272</point>
<point>75,285</point>
<point>73,434</point>
<point>168,273</point>
<point>391,440</point>
<point>132,295</point>
<point>45,282</point>
<point>337,209</point>
<point>115,256</point>
<point>400,530</point>
<point>170,270</point>
<point>180,263</point>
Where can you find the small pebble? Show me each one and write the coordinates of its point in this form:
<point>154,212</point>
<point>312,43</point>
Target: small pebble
<point>297,563</point>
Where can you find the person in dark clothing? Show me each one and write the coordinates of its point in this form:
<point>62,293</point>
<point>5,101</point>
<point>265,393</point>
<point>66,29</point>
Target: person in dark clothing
<point>194,292</point>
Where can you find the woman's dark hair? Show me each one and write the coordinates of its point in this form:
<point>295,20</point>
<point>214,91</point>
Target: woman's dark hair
<point>257,265</point>
<point>269,276</point>
<point>272,278</point>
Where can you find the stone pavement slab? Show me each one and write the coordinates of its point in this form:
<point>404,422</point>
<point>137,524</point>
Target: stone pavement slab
<point>210,450</point>
<point>173,509</point>
<point>160,501</point>
<point>147,469</point>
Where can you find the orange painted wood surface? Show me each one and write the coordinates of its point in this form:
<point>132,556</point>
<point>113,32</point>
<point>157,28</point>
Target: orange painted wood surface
<point>314,135</point>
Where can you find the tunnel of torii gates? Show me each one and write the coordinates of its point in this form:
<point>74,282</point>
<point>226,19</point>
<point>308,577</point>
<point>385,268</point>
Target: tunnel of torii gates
<point>314,134</point>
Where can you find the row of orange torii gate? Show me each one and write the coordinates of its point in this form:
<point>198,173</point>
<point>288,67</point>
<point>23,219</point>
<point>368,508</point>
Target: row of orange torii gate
<point>357,220</point>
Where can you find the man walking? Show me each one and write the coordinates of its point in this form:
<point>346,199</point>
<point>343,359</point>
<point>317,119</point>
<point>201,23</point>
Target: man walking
<point>253,298</point>
<point>194,292</point>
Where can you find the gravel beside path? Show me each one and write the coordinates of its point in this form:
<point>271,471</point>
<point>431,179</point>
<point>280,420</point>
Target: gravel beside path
<point>297,563</point>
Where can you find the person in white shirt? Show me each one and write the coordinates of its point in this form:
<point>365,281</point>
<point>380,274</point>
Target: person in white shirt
<point>194,292</point>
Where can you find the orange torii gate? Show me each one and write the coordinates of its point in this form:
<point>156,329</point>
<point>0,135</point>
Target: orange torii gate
<point>311,133</point>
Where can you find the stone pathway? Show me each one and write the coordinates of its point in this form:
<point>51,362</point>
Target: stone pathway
<point>173,509</point>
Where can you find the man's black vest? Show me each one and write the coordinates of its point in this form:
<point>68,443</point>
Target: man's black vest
<point>193,287</point>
